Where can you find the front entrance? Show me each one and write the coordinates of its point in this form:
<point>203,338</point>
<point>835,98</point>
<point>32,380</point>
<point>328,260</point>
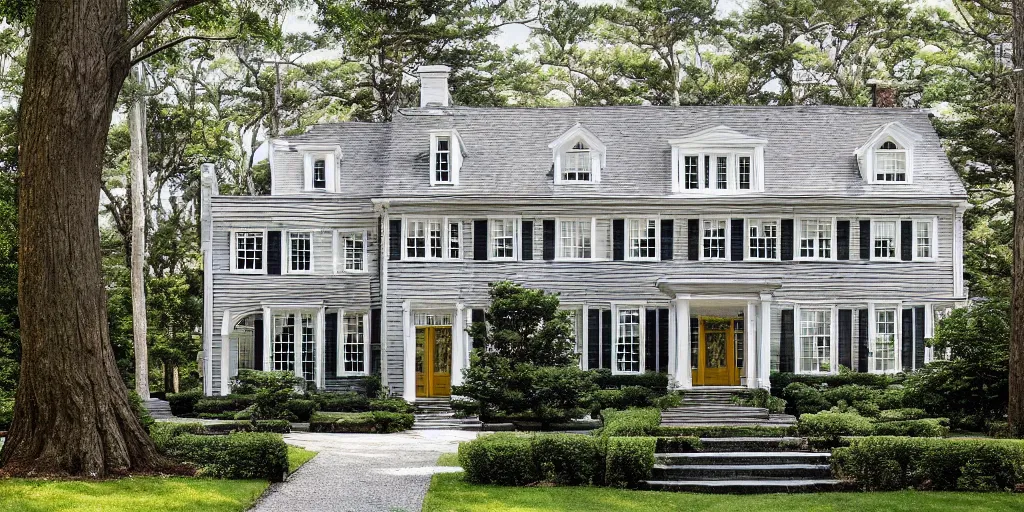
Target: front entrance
<point>433,360</point>
<point>719,352</point>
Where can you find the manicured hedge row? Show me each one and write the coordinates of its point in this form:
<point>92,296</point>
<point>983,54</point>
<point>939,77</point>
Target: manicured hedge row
<point>380,422</point>
<point>239,455</point>
<point>657,382</point>
<point>779,381</point>
<point>184,403</point>
<point>893,463</point>
<point>834,425</point>
<point>630,422</point>
<point>222,404</point>
<point>678,444</point>
<point>629,461</point>
<point>724,431</point>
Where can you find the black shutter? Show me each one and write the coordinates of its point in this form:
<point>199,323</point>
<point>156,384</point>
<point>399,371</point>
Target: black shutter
<point>907,340</point>
<point>331,344</point>
<point>907,240</point>
<point>606,338</point>
<point>786,363</point>
<point>737,240</point>
<point>865,239</point>
<point>862,341</point>
<point>918,337</point>
<point>477,316</point>
<point>667,227</point>
<point>593,338</point>
<point>395,239</point>
<point>842,239</point>
<point>257,343</point>
<point>480,240</point>
<point>693,239</point>
<point>375,328</point>
<point>786,240</point>
<point>273,252</point>
<point>846,338</point>
<point>618,239</point>
<point>549,240</point>
<point>527,240</point>
<point>663,327</point>
<point>650,339</point>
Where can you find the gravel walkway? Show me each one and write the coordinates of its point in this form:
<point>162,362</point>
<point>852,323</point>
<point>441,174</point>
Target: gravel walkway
<point>363,472</point>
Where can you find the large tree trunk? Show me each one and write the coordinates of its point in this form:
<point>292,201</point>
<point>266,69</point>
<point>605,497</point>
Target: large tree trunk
<point>140,170</point>
<point>1016,406</point>
<point>72,415</point>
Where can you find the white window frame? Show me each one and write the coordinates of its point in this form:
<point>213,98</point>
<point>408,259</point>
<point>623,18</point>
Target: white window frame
<point>578,314</point>
<point>746,237</point>
<point>590,156</point>
<point>564,143</point>
<point>897,238</point>
<point>341,254</point>
<point>297,341</point>
<point>234,252</point>
<point>904,138</point>
<point>330,158</point>
<point>454,156</point>
<point>900,150</point>
<point>798,236</point>
<point>448,239</point>
<point>728,238</point>
<point>629,238</point>
<point>286,239</point>
<point>873,333</point>
<point>517,232</point>
<point>833,310</point>
<point>446,223</point>
<point>614,363</point>
<point>933,245</point>
<point>558,237</point>
<point>342,325</point>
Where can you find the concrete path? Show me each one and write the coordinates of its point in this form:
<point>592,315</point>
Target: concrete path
<point>363,472</point>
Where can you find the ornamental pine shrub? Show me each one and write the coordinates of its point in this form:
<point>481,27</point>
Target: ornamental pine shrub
<point>629,461</point>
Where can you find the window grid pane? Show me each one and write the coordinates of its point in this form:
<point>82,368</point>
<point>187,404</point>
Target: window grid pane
<point>815,340</point>
<point>353,346</point>
<point>284,343</point>
<point>763,239</point>
<point>643,238</point>
<point>442,171</point>
<point>744,171</point>
<point>301,255</point>
<point>249,251</point>
<point>436,239</point>
<point>308,347</point>
<point>722,172</point>
<point>890,165</point>
<point>884,234</point>
<point>883,350</point>
<point>320,174</point>
<point>577,163</point>
<point>354,253</point>
<point>924,239</point>
<point>690,166</point>
<point>576,238</point>
<point>503,238</point>
<point>454,240</point>
<point>738,341</point>
<point>416,239</point>
<point>816,238</point>
<point>627,349</point>
<point>714,239</point>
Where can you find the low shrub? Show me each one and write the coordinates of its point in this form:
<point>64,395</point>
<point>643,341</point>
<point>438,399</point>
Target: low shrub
<point>780,381</point>
<point>222,404</point>
<point>894,398</point>
<point>391,405</point>
<point>629,460</point>
<point>379,422</point>
<point>677,444</point>
<point>851,394</point>
<point>240,455</point>
<point>803,399</point>
<point>229,415</point>
<point>300,409</point>
<point>341,402</point>
<point>161,432</point>
<point>895,463</point>
<point>902,414</point>
<point>275,426</point>
<point>763,398</point>
<point>654,381</point>
<point>833,425</point>
<point>625,398</point>
<point>568,459</point>
<point>926,427</point>
<point>725,431</point>
<point>271,393</point>
<point>503,459</point>
<point>668,401</point>
<point>184,403</point>
<point>1001,430</point>
<point>630,422</point>
<point>137,406</point>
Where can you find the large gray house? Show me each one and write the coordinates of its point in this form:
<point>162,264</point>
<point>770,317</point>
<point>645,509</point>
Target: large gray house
<point>716,244</point>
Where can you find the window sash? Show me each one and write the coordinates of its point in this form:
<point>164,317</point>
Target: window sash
<point>691,168</point>
<point>884,239</point>
<point>354,256</point>
<point>576,239</point>
<point>714,238</point>
<point>320,173</point>
<point>763,239</point>
<point>249,246</point>
<point>883,350</point>
<point>454,240</point>
<point>744,172</point>
<point>503,239</point>
<point>815,340</point>
<point>629,341</point>
<point>643,239</point>
<point>891,165</point>
<point>816,238</point>
<point>300,252</point>
<point>923,239</point>
<point>442,160</point>
<point>577,165</point>
<point>353,344</point>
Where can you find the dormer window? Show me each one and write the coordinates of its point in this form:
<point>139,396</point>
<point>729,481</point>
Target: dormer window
<point>888,155</point>
<point>577,163</point>
<point>890,162</point>
<point>442,160</point>
<point>320,174</point>
<point>445,157</point>
<point>320,167</point>
<point>578,156</point>
<point>718,160</point>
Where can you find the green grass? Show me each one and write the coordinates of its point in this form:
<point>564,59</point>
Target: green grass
<point>448,459</point>
<point>297,457</point>
<point>130,495</point>
<point>448,493</point>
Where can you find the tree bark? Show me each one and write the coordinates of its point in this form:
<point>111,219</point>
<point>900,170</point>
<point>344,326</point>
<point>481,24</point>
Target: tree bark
<point>1016,405</point>
<point>72,416</point>
<point>140,171</point>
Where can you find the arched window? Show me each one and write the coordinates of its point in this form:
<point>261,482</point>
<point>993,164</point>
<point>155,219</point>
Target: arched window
<point>577,166</point>
<point>890,162</point>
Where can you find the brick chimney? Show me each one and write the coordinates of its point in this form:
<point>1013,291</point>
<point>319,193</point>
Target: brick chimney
<point>434,86</point>
<point>883,94</point>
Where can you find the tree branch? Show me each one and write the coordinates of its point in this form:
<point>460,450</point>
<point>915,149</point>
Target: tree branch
<point>176,41</point>
<point>147,26</point>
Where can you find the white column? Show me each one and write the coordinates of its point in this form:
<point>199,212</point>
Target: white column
<point>459,352</point>
<point>268,334</point>
<point>409,353</point>
<point>225,352</point>
<point>318,366</point>
<point>750,359</point>
<point>764,335</point>
<point>681,370</point>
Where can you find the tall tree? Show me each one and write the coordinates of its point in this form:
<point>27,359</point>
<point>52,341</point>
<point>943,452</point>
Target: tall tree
<point>1016,408</point>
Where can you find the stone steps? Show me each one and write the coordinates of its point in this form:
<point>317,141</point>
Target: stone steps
<point>741,471</point>
<point>734,458</point>
<point>752,444</point>
<point>437,414</point>
<point>745,486</point>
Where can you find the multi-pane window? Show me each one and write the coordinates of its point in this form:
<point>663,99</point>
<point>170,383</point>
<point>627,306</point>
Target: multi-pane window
<point>628,341</point>
<point>763,239</point>
<point>320,173</point>
<point>643,238</point>
<point>308,332</point>
<point>890,162</point>
<point>690,169</point>
<point>738,341</point>
<point>442,160</point>
<point>883,234</point>
<point>435,238</point>
<point>286,327</point>
<point>503,238</point>
<point>355,254</point>
<point>454,240</point>
<point>576,238</point>
<point>424,238</point>
<point>300,252</point>
<point>883,347</point>
<point>353,344</point>
<point>714,238</point>
<point>816,238</point>
<point>815,340</point>
<point>577,165</point>
<point>923,239</point>
<point>248,250</point>
<point>284,343</point>
<point>744,171</point>
<point>721,172</point>
<point>573,316</point>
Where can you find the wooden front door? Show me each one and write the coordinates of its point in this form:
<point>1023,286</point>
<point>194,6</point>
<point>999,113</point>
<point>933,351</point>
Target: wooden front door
<point>716,355</point>
<point>433,361</point>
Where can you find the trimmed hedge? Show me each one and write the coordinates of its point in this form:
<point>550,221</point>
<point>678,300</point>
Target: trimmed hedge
<point>503,459</point>
<point>894,463</point>
<point>568,459</point>
<point>239,455</point>
<point>677,444</point>
<point>184,403</point>
<point>391,405</point>
<point>724,431</point>
<point>657,382</point>
<point>902,414</point>
<point>301,409</point>
<point>341,402</point>
<point>833,425</point>
<point>629,460</point>
<point>379,422</point>
<point>780,381</point>
<point>162,432</point>
<point>631,422</point>
<point>925,427</point>
<point>222,404</point>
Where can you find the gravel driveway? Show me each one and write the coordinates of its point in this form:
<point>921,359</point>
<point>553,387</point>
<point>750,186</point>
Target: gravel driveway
<point>363,472</point>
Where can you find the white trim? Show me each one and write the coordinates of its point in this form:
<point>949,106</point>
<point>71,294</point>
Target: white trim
<point>460,352</point>
<point>409,354</point>
<point>516,245</point>
<point>764,342</point>
<point>233,256</point>
<point>558,237</point>
<point>958,250</point>
<point>718,141</point>
<point>902,136</point>
<point>897,238</point>
<point>680,362</point>
<point>798,222</point>
<point>628,239</point>
<point>750,345</point>
<point>342,336</point>
<point>286,251</point>
<point>445,239</point>
<point>778,238</point>
<point>598,153</point>
<point>728,238</point>
<point>455,156</point>
<point>932,238</point>
<point>341,254</point>
<point>641,324</point>
<point>225,352</point>
<point>330,155</point>
<point>873,307</point>
<point>833,353</point>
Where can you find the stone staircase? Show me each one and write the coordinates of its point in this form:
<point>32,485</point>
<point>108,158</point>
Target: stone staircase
<point>158,409</point>
<point>714,407</point>
<point>437,414</point>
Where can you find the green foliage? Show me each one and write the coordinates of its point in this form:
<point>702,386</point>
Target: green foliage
<point>300,409</point>
<point>833,425</point>
<point>161,432</point>
<point>725,431</point>
<point>391,405</point>
<point>223,404</point>
<point>902,414</point>
<point>6,413</point>
<point>845,377</point>
<point>240,455</point>
<point>678,444</point>
<point>503,459</point>
<point>629,460</point>
<point>894,463</point>
<point>763,398</point>
<point>137,406</point>
<point>630,422</point>
<point>804,399</point>
<point>924,427</point>
<point>377,422</point>
<point>273,392</point>
<point>341,402</point>
<point>184,403</point>
<point>669,401</point>
<point>629,396</point>
<point>568,459</point>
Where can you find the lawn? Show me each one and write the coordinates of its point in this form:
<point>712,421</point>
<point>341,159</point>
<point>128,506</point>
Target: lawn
<point>297,457</point>
<point>448,493</point>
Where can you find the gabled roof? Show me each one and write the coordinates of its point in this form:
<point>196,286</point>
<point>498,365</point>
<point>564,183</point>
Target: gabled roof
<point>578,132</point>
<point>903,136</point>
<point>718,136</point>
